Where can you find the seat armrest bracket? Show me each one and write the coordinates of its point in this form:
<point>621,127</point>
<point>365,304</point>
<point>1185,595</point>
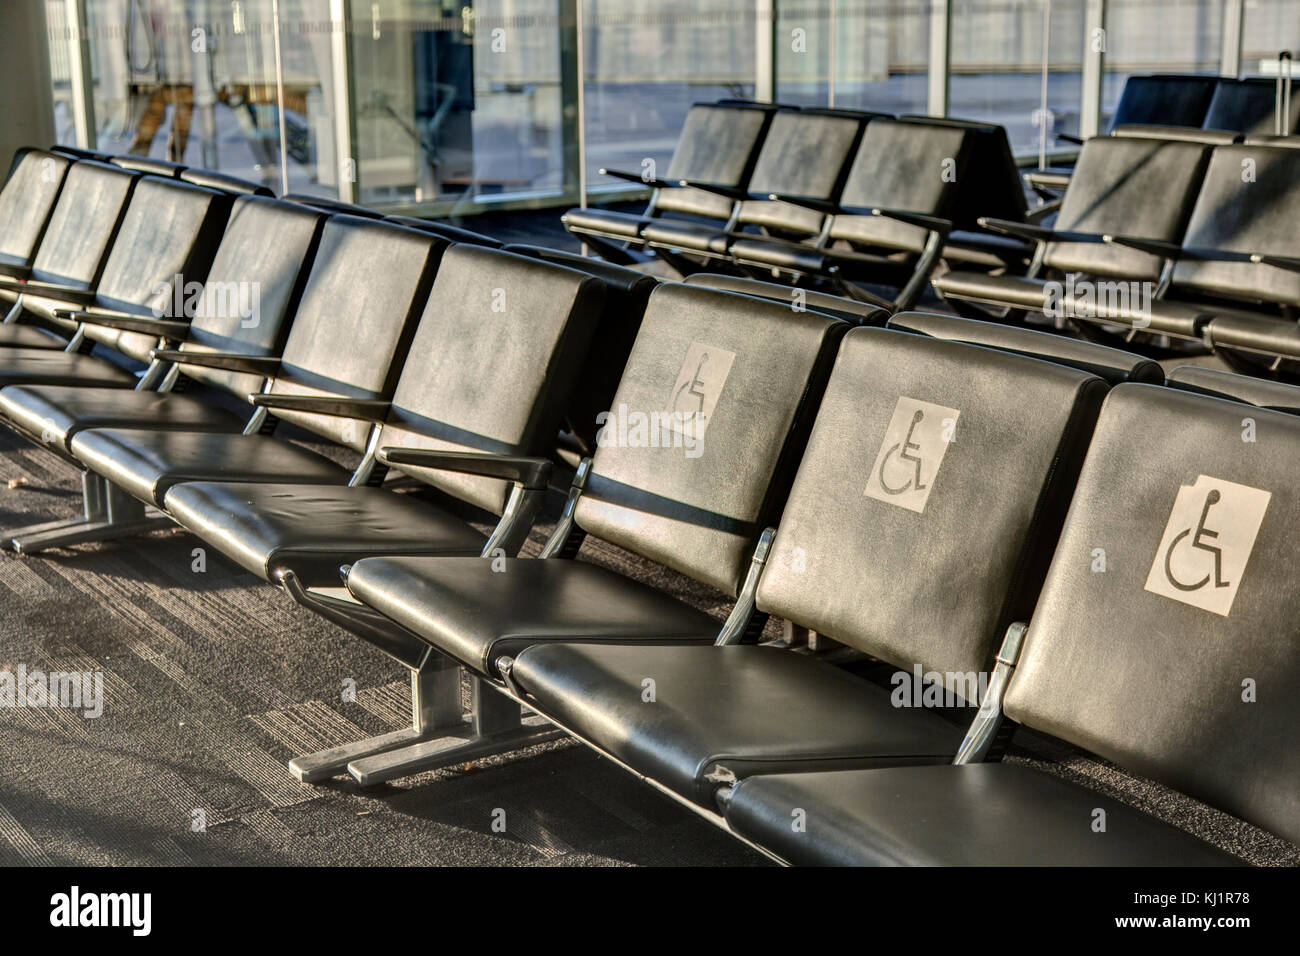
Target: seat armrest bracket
<point>737,623</point>
<point>984,728</point>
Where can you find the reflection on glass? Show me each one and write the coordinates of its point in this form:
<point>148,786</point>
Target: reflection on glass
<point>1159,36</point>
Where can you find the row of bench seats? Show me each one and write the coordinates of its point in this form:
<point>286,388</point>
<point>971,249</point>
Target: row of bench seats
<point>920,478</point>
<point>1201,240</point>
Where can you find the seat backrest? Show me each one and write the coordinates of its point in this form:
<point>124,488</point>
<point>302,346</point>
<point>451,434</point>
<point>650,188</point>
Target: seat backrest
<point>84,224</point>
<point>1249,203</point>
<point>1165,638</point>
<point>27,201</point>
<point>76,152</point>
<point>719,144</point>
<point>334,206</point>
<point>1240,388</point>
<point>805,153</point>
<point>1188,134</point>
<point>254,286</point>
<point>696,454</point>
<point>150,166</point>
<point>446,231</point>
<point>1168,99</point>
<point>163,247</point>
<point>231,184</point>
<point>905,165</point>
<point>1293,140</point>
<point>1134,187</point>
<point>354,324</point>
<point>929,499</point>
<point>497,352</point>
<point>1113,365</point>
<point>1249,106</point>
<point>627,292</point>
<point>856,313</point>
<point>989,185</point>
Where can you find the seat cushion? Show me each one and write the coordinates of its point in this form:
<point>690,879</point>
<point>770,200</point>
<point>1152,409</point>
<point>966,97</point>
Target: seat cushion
<point>57,412</point>
<point>1268,335</point>
<point>749,709</point>
<point>51,367</point>
<point>1181,319</point>
<point>1015,291</point>
<point>780,255</point>
<point>22,336</point>
<point>604,222</point>
<point>478,613</point>
<point>147,463</point>
<point>686,235</point>
<point>994,814</point>
<point>312,529</point>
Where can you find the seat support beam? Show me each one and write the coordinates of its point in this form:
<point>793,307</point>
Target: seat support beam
<point>107,512</point>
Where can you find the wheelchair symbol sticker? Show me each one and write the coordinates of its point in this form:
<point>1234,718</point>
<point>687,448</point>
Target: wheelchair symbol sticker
<point>699,384</point>
<point>1207,542</point>
<point>909,458</point>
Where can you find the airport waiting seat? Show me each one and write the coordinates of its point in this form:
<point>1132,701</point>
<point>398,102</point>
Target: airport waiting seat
<point>1188,134</point>
<point>1142,188</point>
<point>627,293</point>
<point>446,231</point>
<point>474,414</point>
<point>226,182</point>
<point>1249,106</point>
<point>806,153</point>
<point>926,488</point>
<point>334,206</point>
<point>718,145</point>
<point>166,240</point>
<point>744,377</point>
<point>76,152</point>
<point>1159,665</point>
<point>849,310</point>
<point>1249,389</point>
<point>26,203</point>
<point>350,334</point>
<point>165,168</point>
<point>240,322</point>
<point>892,218</point>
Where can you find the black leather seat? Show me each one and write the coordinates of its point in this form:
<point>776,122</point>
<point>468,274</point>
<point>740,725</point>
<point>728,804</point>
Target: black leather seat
<point>166,241</point>
<point>1114,365</point>
<point>718,145</point>
<point>149,165</point>
<point>492,389</point>
<point>1148,665</point>
<point>248,300</point>
<point>447,231</point>
<point>351,332</point>
<point>1143,188</point>
<point>27,200</point>
<point>1241,388</point>
<point>947,570</point>
<point>225,182</point>
<point>1249,106</point>
<point>857,313</point>
<point>992,814</point>
<point>699,513</point>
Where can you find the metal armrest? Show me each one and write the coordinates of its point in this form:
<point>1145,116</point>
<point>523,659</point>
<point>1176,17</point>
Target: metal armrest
<point>1024,230</point>
<point>1156,247</point>
<point>1280,262</point>
<point>366,409</point>
<point>534,474</point>
<point>638,178</point>
<point>227,361</point>
<point>1068,138</point>
<point>50,290</point>
<point>929,223</point>
<point>807,202</point>
<point>164,328</point>
<point>1044,209</point>
<point>730,192</point>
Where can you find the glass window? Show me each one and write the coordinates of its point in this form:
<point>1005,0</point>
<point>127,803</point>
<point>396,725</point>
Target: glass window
<point>1159,36</point>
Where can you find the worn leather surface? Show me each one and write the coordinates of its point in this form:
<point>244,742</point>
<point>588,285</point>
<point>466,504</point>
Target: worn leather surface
<point>606,222</point>
<point>718,144</point>
<point>478,613</point>
<point>1256,216</point>
<point>1153,683</point>
<point>27,200</point>
<point>1021,292</point>
<point>350,335</point>
<point>314,528</point>
<point>1268,334</point>
<point>170,229</point>
<point>46,367</point>
<point>147,463</point>
<point>1241,388</point>
<point>993,814</point>
<point>694,236</point>
<point>702,515</point>
<point>57,412</point>
<point>945,582</point>
<point>750,709</point>
<point>267,248</point>
<point>1114,365</point>
<point>493,362</point>
<point>1143,188</point>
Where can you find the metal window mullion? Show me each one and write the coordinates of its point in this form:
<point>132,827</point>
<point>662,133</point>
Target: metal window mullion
<point>764,51</point>
<point>345,157</point>
<point>1094,68</point>
<point>940,62</point>
<point>1230,56</point>
<point>80,74</point>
